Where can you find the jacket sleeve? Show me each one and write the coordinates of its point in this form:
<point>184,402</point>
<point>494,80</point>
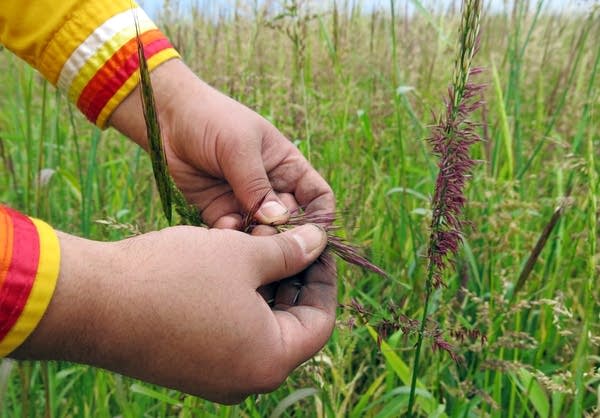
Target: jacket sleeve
<point>29,267</point>
<point>87,48</point>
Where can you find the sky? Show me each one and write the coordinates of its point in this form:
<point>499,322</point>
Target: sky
<point>152,6</point>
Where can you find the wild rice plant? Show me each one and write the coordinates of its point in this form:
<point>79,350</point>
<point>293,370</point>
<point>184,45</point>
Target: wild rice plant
<point>451,139</point>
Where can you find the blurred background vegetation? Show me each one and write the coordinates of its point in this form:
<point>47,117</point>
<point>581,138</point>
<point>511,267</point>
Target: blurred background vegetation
<point>355,87</point>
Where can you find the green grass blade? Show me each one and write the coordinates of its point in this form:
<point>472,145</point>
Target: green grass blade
<point>506,136</point>
<point>533,391</point>
<point>425,400</point>
<point>291,399</point>
<point>155,143</point>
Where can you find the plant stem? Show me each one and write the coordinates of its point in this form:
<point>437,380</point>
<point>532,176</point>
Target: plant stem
<point>413,380</point>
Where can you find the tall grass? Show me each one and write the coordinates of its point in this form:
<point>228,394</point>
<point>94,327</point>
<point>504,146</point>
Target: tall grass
<point>360,111</point>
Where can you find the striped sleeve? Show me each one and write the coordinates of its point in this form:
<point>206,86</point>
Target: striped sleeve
<point>29,267</point>
<point>90,50</point>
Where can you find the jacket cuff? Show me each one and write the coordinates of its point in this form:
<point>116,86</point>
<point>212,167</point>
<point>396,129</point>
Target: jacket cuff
<point>29,268</point>
<point>93,56</point>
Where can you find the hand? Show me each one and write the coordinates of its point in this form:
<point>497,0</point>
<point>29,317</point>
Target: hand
<point>223,156</point>
<point>180,308</point>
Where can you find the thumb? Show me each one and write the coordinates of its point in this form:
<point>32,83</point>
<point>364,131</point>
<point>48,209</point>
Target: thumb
<point>288,253</point>
<point>251,186</point>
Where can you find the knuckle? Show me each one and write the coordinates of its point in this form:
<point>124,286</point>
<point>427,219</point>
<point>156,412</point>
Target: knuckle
<point>286,252</point>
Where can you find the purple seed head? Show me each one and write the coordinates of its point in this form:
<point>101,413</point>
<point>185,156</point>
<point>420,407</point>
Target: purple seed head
<point>335,244</point>
<point>450,140</point>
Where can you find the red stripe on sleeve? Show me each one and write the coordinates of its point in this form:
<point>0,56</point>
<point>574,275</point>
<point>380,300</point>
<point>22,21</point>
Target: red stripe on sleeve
<point>21,273</point>
<point>116,71</point>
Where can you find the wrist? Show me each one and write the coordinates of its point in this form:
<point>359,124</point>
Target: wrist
<point>128,117</point>
<point>68,328</point>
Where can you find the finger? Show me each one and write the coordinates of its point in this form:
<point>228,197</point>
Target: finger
<point>314,194</point>
<point>222,205</point>
<point>264,230</point>
<point>229,221</point>
<point>218,206</point>
<point>307,324</point>
<point>284,255</point>
<point>289,292</point>
<point>245,171</point>
<point>296,176</point>
<point>289,201</point>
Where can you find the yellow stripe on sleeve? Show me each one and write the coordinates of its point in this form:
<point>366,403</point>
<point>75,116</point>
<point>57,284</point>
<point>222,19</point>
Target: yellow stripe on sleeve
<point>96,61</point>
<point>41,292</point>
<point>131,83</point>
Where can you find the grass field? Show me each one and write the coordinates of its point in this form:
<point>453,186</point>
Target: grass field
<point>355,92</point>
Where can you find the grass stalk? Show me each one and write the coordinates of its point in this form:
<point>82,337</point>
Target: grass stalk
<point>415,368</point>
<point>578,51</point>
<point>592,268</point>
<point>451,140</point>
<point>157,152</point>
<point>40,152</point>
<point>87,184</point>
<point>539,246</point>
<point>169,192</point>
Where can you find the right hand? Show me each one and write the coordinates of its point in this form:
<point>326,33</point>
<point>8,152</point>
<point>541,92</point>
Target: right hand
<point>223,156</point>
<point>180,308</point>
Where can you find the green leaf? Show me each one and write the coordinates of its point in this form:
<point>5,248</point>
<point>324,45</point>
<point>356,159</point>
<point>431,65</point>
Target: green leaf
<point>506,135</point>
<point>151,393</point>
<point>532,390</point>
<point>358,410</point>
<point>424,399</point>
<point>411,192</point>
<point>71,181</point>
<point>291,399</point>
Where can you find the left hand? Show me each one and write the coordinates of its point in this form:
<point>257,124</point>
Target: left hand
<point>223,156</point>
<point>180,308</point>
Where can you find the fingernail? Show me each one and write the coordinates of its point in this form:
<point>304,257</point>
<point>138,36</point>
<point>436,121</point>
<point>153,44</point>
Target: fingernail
<point>309,237</point>
<point>272,211</point>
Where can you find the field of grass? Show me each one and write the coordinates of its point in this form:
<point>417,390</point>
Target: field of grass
<point>355,91</point>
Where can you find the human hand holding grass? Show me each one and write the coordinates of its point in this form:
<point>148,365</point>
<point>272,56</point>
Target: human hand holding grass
<point>180,308</point>
<point>223,156</point>
<point>202,311</point>
<point>217,313</point>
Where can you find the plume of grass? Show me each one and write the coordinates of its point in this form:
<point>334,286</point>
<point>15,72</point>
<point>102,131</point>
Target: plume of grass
<point>344,249</point>
<point>337,245</point>
<point>167,189</point>
<point>451,139</point>
<point>539,246</point>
